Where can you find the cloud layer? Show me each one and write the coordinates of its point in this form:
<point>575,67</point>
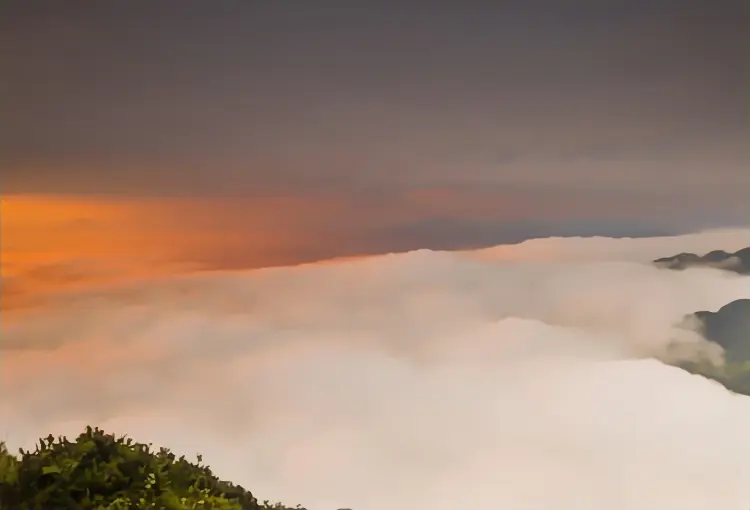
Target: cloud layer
<point>521,377</point>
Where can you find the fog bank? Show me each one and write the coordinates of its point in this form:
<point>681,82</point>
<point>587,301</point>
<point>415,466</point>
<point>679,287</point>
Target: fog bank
<point>527,376</point>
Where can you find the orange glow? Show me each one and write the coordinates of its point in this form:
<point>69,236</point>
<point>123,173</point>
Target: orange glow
<point>49,243</point>
<point>42,230</point>
<point>52,243</point>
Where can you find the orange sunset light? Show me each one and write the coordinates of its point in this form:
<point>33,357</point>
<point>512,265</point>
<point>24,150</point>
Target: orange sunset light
<point>47,230</point>
<point>54,243</point>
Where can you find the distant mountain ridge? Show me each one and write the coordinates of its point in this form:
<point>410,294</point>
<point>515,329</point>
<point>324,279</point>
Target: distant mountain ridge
<point>729,326</point>
<point>738,262</point>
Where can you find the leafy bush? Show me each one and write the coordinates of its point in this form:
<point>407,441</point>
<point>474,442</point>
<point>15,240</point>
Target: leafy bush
<point>99,471</point>
<point>733,376</point>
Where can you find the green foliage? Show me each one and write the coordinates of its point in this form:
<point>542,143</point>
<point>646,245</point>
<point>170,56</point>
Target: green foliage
<point>99,471</point>
<point>734,376</point>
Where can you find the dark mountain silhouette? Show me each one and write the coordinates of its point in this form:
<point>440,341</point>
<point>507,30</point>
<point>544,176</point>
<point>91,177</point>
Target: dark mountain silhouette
<point>730,328</point>
<point>739,261</point>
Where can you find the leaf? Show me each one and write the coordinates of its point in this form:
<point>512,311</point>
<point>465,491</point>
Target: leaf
<point>46,470</point>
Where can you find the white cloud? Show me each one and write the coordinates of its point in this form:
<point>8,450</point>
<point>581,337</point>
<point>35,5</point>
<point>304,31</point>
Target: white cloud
<point>519,377</point>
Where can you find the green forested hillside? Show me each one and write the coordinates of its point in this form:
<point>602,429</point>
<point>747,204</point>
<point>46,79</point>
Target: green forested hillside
<point>729,327</point>
<point>100,471</point>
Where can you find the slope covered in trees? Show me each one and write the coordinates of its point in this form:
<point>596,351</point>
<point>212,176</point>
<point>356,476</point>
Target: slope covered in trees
<point>729,326</point>
<point>99,471</point>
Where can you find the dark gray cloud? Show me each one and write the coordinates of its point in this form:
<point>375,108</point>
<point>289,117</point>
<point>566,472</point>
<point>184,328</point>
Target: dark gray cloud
<point>201,97</point>
<point>450,233</point>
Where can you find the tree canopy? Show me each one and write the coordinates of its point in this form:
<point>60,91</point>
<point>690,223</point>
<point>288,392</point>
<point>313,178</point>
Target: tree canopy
<point>100,471</point>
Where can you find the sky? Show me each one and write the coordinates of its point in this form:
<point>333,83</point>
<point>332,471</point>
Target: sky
<point>261,133</point>
<point>172,174</point>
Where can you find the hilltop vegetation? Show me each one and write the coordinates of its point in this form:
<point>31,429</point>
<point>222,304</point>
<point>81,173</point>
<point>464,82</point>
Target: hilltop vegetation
<point>99,471</point>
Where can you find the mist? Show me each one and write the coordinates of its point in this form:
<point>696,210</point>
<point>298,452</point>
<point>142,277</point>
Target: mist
<point>531,376</point>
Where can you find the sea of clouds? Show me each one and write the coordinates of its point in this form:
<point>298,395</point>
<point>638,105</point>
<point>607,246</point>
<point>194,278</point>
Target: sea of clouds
<point>524,377</point>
